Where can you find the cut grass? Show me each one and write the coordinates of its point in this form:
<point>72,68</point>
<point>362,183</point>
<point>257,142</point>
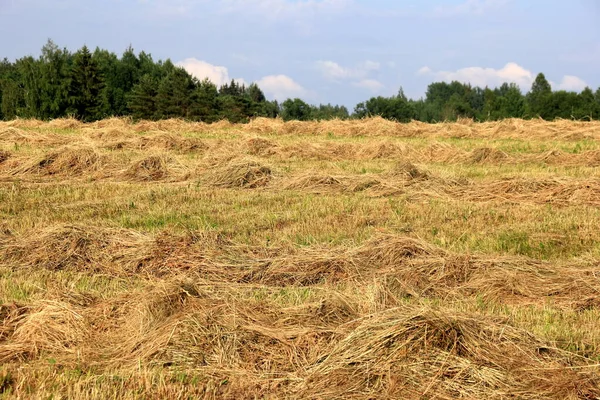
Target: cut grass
<point>341,259</point>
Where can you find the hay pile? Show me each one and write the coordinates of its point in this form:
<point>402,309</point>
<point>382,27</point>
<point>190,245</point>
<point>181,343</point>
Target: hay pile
<point>156,168</point>
<point>240,173</point>
<point>67,161</point>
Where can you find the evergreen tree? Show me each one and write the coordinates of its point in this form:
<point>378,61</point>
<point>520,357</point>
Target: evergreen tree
<point>174,94</point>
<point>203,104</point>
<point>55,65</point>
<point>142,99</point>
<point>85,86</point>
<point>539,98</point>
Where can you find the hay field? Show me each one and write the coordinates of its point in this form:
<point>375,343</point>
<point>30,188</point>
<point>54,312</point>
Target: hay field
<point>333,260</point>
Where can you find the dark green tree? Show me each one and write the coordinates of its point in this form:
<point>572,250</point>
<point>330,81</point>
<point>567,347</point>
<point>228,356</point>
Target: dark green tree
<point>539,98</point>
<point>174,93</point>
<point>203,105</point>
<point>85,86</point>
<point>55,66</point>
<point>142,99</point>
<point>295,109</point>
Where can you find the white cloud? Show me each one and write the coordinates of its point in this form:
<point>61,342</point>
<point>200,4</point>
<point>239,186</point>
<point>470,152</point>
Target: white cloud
<point>335,72</point>
<point>476,7</point>
<point>281,87</point>
<point>201,70</point>
<point>511,73</point>
<point>572,83</point>
<point>369,84</point>
<point>479,76</point>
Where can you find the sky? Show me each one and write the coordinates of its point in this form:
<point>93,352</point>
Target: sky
<point>329,51</point>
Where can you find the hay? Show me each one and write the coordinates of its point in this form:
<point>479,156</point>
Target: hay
<point>487,154</point>
<point>240,173</point>
<point>47,328</point>
<point>4,155</point>
<point>68,161</point>
<point>413,353</point>
<point>170,141</point>
<point>65,123</point>
<point>155,168</point>
<point>260,147</point>
<point>408,171</point>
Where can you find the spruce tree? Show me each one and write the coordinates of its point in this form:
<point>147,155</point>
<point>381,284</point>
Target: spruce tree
<point>540,97</point>
<point>85,86</point>
<point>142,99</point>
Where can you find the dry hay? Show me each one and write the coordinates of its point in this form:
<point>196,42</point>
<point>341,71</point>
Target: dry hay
<point>4,155</point>
<point>264,126</point>
<point>240,173</point>
<point>113,123</point>
<point>23,123</point>
<point>15,135</point>
<point>487,155</point>
<point>385,149</point>
<point>171,141</point>
<point>77,248</point>
<point>114,138</point>
<point>414,353</point>
<point>65,123</point>
<point>408,171</point>
<point>49,327</point>
<point>313,180</point>
<point>261,147</point>
<point>68,161</point>
<point>155,168</point>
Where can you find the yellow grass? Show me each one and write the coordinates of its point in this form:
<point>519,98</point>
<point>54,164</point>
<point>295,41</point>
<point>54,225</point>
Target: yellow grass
<point>325,260</point>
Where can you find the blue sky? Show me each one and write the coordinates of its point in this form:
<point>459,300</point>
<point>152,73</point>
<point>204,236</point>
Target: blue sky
<point>329,51</point>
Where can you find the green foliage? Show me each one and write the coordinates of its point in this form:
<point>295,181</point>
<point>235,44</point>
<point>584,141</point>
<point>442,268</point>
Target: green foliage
<point>101,84</point>
<point>86,84</point>
<point>296,109</point>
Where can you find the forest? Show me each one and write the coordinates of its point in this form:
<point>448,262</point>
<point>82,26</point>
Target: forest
<point>95,85</point>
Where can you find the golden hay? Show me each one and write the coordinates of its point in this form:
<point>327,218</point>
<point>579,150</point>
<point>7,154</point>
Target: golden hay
<point>170,141</point>
<point>67,161</point>
<point>240,173</point>
<point>408,171</point>
<point>260,147</point>
<point>4,155</point>
<point>411,353</point>
<point>65,123</point>
<point>156,167</point>
<point>486,154</point>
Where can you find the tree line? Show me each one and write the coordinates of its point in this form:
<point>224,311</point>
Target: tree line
<point>99,84</point>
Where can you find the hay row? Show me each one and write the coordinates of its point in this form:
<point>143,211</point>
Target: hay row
<point>245,173</point>
<point>327,349</point>
<point>437,152</point>
<point>407,267</point>
<point>509,128</point>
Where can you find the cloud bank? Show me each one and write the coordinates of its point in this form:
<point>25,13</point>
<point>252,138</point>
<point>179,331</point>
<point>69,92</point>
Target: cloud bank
<point>278,87</point>
<point>511,73</point>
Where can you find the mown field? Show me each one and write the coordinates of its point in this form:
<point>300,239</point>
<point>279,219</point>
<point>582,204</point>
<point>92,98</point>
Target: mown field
<point>333,260</point>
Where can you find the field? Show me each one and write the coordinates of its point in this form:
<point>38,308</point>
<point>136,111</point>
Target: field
<point>332,260</point>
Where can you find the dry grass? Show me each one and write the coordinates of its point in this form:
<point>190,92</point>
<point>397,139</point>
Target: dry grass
<point>339,259</point>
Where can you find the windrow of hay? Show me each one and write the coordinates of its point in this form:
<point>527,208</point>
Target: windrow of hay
<point>65,161</point>
<point>240,173</point>
<point>326,349</point>
<point>376,126</point>
<point>155,168</point>
<point>404,265</point>
<point>416,353</point>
